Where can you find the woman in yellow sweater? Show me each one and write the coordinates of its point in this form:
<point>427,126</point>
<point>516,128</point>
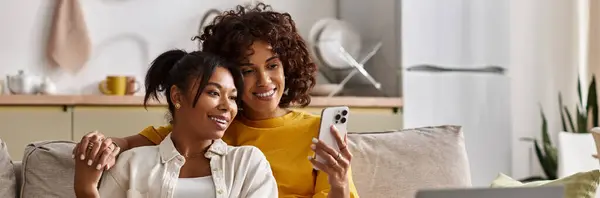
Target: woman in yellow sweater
<point>278,72</point>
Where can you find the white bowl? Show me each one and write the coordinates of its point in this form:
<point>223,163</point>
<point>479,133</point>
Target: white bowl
<point>328,35</point>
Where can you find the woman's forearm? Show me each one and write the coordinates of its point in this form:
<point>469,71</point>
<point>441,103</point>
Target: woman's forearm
<point>339,193</point>
<point>86,192</point>
<point>130,142</point>
<point>134,141</point>
<point>121,142</point>
<point>86,180</point>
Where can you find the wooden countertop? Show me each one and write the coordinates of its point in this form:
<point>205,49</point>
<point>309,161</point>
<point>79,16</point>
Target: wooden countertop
<point>101,100</point>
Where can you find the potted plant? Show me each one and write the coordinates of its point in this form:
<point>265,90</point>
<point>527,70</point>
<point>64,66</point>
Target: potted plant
<point>586,117</point>
<point>546,153</point>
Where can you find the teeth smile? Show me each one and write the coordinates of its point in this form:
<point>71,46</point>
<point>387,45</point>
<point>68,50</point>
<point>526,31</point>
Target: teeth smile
<point>266,94</point>
<point>219,120</point>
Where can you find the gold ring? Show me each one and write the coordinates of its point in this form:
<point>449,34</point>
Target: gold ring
<point>90,147</point>
<point>111,147</point>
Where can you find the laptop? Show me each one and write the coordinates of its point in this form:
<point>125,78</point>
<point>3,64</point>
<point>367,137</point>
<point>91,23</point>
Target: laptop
<point>524,192</point>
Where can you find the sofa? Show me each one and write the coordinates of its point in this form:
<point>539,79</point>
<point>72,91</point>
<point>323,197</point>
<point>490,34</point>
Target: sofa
<point>390,164</point>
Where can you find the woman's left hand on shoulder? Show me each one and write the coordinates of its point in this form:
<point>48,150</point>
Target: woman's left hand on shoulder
<point>88,172</point>
<point>337,163</point>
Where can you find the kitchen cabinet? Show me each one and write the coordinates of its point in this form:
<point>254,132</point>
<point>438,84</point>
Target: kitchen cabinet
<point>22,125</point>
<point>116,121</point>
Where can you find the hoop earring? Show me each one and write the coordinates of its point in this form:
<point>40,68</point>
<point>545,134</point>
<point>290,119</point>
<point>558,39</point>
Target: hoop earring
<point>177,105</point>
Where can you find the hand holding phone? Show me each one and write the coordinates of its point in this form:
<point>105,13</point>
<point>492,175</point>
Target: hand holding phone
<point>338,118</point>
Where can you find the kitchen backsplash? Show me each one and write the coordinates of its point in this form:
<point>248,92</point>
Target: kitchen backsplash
<point>125,35</point>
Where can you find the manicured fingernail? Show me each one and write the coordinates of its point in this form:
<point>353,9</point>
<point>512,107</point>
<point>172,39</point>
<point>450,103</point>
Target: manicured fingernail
<point>89,162</point>
<point>333,127</point>
<point>310,157</point>
<point>313,147</point>
<point>73,156</point>
<point>82,157</point>
<point>98,167</point>
<point>315,140</point>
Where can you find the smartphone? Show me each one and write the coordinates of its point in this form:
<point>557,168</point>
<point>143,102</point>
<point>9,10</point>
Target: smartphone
<point>337,116</point>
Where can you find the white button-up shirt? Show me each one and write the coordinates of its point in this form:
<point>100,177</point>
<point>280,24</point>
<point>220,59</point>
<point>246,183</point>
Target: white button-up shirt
<point>152,171</point>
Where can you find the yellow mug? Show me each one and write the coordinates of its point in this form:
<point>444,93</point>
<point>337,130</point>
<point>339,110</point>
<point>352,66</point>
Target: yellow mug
<point>113,85</point>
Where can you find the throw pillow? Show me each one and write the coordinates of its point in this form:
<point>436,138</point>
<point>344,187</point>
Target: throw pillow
<point>580,185</point>
<point>8,181</point>
<point>48,169</point>
<point>399,163</point>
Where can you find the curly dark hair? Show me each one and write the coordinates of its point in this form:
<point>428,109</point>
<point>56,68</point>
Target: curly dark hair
<point>232,33</point>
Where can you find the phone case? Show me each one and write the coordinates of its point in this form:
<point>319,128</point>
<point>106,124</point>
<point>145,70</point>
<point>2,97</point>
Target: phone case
<point>337,116</point>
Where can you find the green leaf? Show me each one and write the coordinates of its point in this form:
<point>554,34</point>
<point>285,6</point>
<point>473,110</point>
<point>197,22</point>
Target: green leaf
<point>580,121</point>
<point>540,156</point>
<point>579,90</point>
<point>592,104</point>
<point>547,158</point>
<point>560,109</point>
<point>551,160</point>
<point>544,162</point>
<point>527,139</point>
<point>545,136</point>
<point>570,119</point>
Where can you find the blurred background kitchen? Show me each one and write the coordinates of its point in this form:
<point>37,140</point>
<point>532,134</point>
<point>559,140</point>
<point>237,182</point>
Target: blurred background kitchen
<point>487,65</point>
<point>74,66</point>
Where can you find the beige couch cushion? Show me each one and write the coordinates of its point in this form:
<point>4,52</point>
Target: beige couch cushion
<point>397,164</point>
<point>8,182</point>
<point>48,170</point>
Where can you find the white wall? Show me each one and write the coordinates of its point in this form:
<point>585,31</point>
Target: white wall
<point>126,35</point>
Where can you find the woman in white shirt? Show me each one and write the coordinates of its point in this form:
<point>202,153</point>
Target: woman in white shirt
<point>201,92</point>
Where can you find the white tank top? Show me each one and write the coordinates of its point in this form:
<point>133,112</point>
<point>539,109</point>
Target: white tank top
<point>195,187</point>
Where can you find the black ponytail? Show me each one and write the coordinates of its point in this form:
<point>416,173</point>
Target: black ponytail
<point>177,67</point>
<point>157,78</point>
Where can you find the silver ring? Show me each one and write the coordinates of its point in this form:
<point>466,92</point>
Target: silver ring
<point>338,156</point>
